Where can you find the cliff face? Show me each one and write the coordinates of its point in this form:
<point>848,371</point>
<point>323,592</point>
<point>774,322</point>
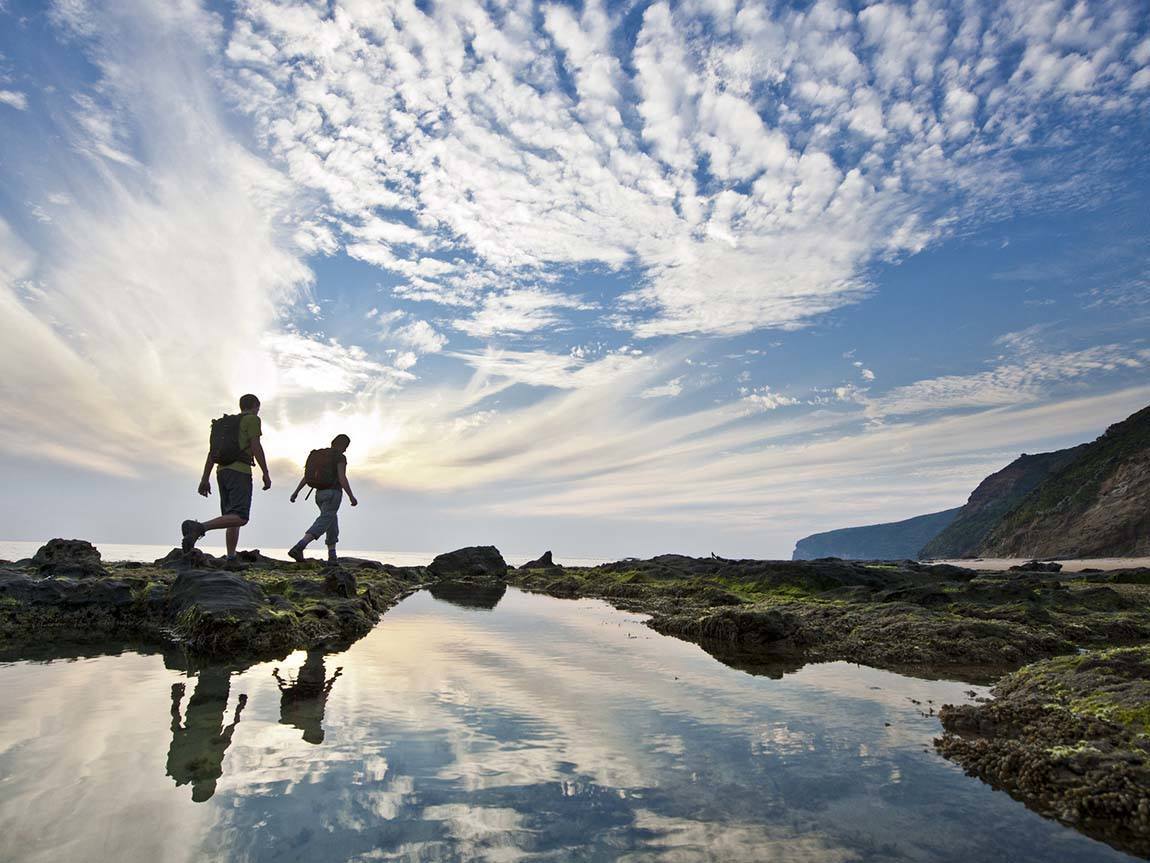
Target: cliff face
<point>897,540</point>
<point>995,496</point>
<point>1097,505</point>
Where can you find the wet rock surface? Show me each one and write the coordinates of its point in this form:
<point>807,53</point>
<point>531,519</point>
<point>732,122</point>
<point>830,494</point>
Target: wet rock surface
<point>1069,737</point>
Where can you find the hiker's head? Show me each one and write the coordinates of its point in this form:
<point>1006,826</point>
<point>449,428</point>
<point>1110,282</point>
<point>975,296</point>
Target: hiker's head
<point>340,442</point>
<point>249,404</point>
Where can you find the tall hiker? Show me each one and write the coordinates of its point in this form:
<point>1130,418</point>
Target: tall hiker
<point>233,449</point>
<point>326,472</point>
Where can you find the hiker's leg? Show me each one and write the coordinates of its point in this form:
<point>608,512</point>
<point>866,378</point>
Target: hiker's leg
<point>232,538</point>
<point>296,551</point>
<point>322,523</point>
<point>333,533</point>
<point>222,522</point>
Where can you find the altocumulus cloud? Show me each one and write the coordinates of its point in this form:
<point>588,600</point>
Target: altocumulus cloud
<point>747,162</point>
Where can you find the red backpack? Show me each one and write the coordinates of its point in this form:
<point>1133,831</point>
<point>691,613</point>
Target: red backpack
<point>320,470</point>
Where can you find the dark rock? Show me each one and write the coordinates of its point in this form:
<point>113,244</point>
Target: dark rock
<point>339,582</point>
<point>66,592</point>
<point>75,558</point>
<point>1037,566</point>
<point>480,560</point>
<point>544,562</point>
<point>361,563</point>
<point>215,594</point>
<point>470,594</point>
<point>194,559</point>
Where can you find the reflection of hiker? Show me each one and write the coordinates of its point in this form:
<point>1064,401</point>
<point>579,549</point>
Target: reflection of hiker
<point>198,745</point>
<point>235,444</point>
<point>326,472</point>
<point>302,701</point>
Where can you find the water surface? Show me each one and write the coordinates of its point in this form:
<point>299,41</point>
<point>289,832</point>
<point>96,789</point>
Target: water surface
<point>492,727</point>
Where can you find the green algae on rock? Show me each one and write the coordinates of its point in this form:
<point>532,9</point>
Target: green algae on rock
<point>1070,737</point>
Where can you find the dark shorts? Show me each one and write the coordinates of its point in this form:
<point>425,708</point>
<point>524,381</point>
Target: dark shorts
<point>235,492</point>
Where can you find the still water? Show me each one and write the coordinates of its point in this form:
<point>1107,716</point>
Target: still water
<point>496,727</point>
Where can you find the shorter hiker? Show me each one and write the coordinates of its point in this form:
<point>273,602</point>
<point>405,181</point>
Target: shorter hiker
<point>233,448</point>
<point>326,472</point>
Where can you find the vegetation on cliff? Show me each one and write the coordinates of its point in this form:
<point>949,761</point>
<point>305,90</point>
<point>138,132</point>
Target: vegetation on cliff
<point>1096,505</point>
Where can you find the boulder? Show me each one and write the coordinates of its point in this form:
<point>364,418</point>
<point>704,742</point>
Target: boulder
<point>478,560</point>
<point>544,562</point>
<point>64,592</point>
<point>75,558</point>
<point>216,594</point>
<point>1037,566</point>
<point>339,582</point>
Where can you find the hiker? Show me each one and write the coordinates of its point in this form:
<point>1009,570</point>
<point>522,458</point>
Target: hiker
<point>326,472</point>
<point>233,448</point>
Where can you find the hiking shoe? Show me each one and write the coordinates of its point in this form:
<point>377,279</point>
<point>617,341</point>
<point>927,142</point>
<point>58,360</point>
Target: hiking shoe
<point>296,553</point>
<point>192,530</point>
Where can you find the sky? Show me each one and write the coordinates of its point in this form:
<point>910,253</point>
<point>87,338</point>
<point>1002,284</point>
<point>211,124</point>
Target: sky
<point>604,278</point>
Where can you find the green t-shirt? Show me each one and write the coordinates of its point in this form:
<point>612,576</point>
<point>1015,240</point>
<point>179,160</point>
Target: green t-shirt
<point>249,430</point>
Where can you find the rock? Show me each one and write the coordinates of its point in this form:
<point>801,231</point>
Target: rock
<point>1037,566</point>
<point>194,559</point>
<point>479,560</point>
<point>75,558</point>
<point>216,594</point>
<point>544,562</point>
<point>339,582</point>
<point>64,592</point>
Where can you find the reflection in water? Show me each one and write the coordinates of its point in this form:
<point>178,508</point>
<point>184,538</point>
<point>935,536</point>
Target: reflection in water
<point>543,730</point>
<point>469,594</point>
<point>200,738</point>
<point>302,700</point>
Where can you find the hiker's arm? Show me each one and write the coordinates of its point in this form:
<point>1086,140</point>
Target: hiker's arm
<point>205,481</point>
<point>258,454</point>
<point>342,470</point>
<point>299,488</point>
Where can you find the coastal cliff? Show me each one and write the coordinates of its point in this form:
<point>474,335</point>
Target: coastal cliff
<point>896,540</point>
<point>994,497</point>
<point>1096,505</point>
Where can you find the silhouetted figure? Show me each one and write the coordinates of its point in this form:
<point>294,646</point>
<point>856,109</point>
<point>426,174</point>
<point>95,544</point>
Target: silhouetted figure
<point>326,472</point>
<point>302,701</point>
<point>233,448</point>
<point>201,739</point>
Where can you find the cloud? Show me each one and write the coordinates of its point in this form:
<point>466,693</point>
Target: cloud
<point>14,99</point>
<point>1011,383</point>
<point>157,284</point>
<point>762,399</point>
<point>522,310</point>
<point>670,389</point>
<point>747,168</point>
<point>308,366</point>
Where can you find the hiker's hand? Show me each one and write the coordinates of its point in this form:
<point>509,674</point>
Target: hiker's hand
<point>294,495</point>
<point>205,488</point>
<point>354,502</point>
<point>267,481</point>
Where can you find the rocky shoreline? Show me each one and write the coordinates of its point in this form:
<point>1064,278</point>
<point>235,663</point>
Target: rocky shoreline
<point>1066,733</point>
<point>255,608</point>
